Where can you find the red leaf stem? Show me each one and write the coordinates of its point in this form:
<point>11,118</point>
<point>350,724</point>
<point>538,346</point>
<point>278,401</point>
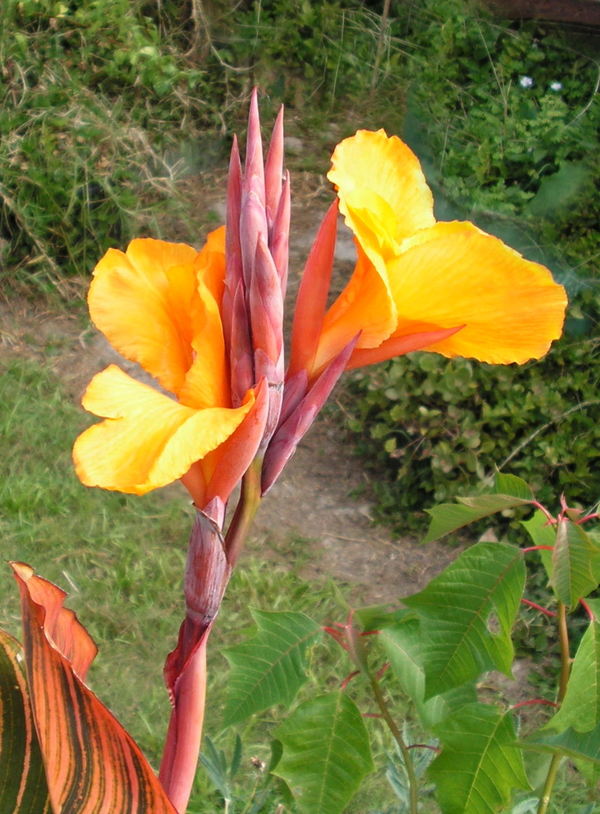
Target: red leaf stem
<point>537,607</point>
<point>533,701</point>
<point>551,519</point>
<point>588,610</point>
<point>348,679</point>
<point>593,516</point>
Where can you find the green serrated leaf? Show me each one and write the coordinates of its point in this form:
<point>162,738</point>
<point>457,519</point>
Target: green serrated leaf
<point>575,563</point>
<point>583,745</point>
<point>466,615</point>
<point>480,763</point>
<point>513,486</point>
<point>23,788</point>
<point>326,753</point>
<point>375,617</point>
<point>580,708</point>
<point>270,668</point>
<point>450,516</point>
<point>403,644</point>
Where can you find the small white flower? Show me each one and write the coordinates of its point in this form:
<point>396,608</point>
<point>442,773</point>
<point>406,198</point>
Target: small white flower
<point>525,81</point>
<point>556,86</point>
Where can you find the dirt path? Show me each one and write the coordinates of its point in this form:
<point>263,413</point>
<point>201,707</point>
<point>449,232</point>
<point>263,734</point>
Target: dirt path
<point>321,501</point>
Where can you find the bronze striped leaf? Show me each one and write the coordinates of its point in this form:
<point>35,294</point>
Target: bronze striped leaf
<point>93,766</point>
<point>23,788</point>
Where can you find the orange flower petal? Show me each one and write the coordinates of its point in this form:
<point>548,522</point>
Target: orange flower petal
<point>366,305</point>
<point>224,467</point>
<point>398,346</point>
<point>206,383</point>
<point>148,440</point>
<point>454,275</point>
<point>382,189</point>
<point>144,301</point>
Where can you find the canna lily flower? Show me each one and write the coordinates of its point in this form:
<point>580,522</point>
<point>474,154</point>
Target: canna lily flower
<point>159,305</point>
<point>420,284</point>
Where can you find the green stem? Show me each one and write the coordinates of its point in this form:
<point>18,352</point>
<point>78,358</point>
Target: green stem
<point>565,670</point>
<point>244,513</point>
<point>404,750</point>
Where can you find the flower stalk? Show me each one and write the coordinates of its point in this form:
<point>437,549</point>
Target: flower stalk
<point>413,783</point>
<point>245,512</point>
<point>565,671</point>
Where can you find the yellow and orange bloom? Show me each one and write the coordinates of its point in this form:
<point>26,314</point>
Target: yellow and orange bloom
<point>418,284</point>
<point>208,327</point>
<point>159,305</point>
<point>416,276</point>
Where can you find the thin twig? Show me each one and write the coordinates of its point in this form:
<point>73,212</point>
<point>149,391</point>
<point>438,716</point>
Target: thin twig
<point>582,406</point>
<point>380,40</point>
<point>397,735</point>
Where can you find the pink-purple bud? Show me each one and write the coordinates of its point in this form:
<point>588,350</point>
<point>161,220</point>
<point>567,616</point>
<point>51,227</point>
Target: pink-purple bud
<point>258,214</point>
<point>298,420</point>
<point>280,234</point>
<point>240,354</point>
<point>274,171</point>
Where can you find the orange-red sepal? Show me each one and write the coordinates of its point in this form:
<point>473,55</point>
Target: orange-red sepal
<point>92,764</point>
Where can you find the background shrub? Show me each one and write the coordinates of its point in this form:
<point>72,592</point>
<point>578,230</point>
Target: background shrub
<point>92,97</point>
<point>505,118</point>
<point>435,427</point>
<point>104,106</point>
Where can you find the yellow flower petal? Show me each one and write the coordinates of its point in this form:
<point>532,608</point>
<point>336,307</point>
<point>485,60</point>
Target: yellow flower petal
<point>453,275</point>
<point>144,302</point>
<point>147,440</point>
<point>382,189</point>
<point>210,266</point>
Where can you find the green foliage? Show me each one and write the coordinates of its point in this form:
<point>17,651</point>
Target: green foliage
<point>577,745</point>
<point>92,97</point>
<point>466,616</point>
<point>323,48</point>
<point>430,425</point>
<point>580,708</point>
<point>269,669</point>
<point>221,772</point>
<point>575,564</point>
<point>480,763</point>
<point>449,517</point>
<point>403,644</point>
<point>326,753</point>
<point>439,649</point>
<point>506,109</point>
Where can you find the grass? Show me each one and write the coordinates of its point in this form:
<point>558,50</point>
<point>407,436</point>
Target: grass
<point>121,561</point>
